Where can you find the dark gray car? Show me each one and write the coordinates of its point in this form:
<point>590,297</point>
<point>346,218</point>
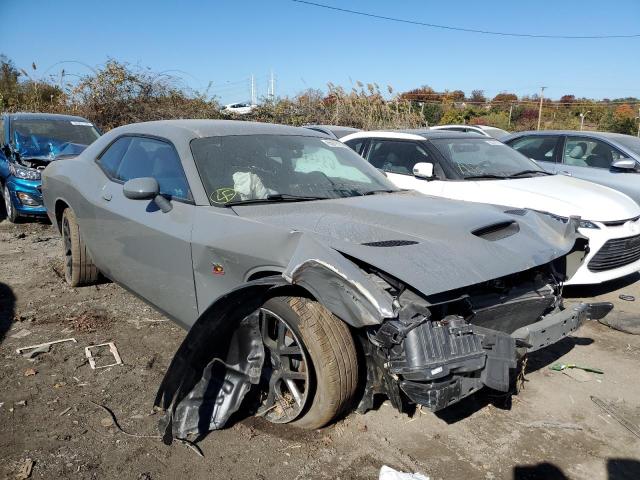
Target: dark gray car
<point>303,274</point>
<point>610,159</point>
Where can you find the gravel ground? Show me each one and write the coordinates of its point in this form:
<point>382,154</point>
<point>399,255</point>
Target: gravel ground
<point>49,411</point>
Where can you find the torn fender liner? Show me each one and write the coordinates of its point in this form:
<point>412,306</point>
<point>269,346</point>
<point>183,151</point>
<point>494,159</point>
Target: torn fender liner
<point>216,364</point>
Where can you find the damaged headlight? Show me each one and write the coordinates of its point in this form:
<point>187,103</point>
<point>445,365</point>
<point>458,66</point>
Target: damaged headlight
<point>582,223</point>
<point>24,172</point>
<point>588,224</point>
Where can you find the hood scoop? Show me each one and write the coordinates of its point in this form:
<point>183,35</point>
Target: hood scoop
<point>497,231</point>
<point>390,243</point>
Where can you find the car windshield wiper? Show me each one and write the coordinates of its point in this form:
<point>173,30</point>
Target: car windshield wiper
<point>486,175</point>
<point>375,192</point>
<point>525,172</point>
<point>275,197</point>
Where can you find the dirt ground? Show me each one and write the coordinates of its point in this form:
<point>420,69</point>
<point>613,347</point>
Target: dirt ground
<point>49,409</point>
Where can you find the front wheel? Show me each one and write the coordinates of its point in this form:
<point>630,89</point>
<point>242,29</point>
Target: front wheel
<point>79,269</point>
<point>12,214</point>
<point>311,369</point>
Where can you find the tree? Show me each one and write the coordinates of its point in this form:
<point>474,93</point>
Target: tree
<point>478,96</point>
<point>9,86</point>
<point>567,99</point>
<point>504,97</point>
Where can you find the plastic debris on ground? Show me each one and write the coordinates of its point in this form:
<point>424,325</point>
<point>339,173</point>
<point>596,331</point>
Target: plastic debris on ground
<point>388,473</point>
<point>22,350</point>
<point>624,322</point>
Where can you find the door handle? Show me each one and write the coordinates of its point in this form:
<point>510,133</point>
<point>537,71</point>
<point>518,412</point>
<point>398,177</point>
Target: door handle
<point>564,172</point>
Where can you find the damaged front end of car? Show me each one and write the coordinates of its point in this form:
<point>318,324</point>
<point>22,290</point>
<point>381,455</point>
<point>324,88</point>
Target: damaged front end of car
<point>441,350</point>
<point>430,349</point>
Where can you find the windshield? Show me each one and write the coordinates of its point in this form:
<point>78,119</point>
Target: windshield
<point>252,167</point>
<point>632,143</point>
<point>51,138</point>
<point>476,157</point>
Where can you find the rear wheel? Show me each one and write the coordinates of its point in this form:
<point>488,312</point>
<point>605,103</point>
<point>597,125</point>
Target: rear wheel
<point>311,369</point>
<point>79,269</point>
<point>12,214</point>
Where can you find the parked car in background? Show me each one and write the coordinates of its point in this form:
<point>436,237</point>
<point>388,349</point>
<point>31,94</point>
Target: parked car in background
<point>29,142</point>
<point>241,108</point>
<point>281,249</point>
<point>479,169</point>
<point>483,130</point>
<point>610,159</point>
<point>335,131</point>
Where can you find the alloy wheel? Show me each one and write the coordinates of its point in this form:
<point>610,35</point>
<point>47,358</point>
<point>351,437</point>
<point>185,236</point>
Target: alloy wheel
<point>286,370</point>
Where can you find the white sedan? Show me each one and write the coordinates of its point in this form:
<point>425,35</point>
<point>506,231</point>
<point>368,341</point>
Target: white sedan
<point>480,169</point>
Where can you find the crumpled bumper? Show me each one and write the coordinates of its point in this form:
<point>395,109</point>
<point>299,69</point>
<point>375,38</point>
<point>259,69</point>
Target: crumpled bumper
<point>440,364</point>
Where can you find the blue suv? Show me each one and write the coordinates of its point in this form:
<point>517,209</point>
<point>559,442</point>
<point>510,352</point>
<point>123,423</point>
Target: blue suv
<point>29,142</point>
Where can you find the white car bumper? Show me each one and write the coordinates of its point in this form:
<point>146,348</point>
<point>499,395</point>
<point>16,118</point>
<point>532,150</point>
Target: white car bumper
<point>614,252</point>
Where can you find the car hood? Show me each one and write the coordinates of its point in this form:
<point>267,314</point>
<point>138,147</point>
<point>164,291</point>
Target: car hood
<point>557,194</point>
<point>427,242</point>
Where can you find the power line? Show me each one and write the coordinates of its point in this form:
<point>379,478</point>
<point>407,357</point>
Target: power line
<point>460,29</point>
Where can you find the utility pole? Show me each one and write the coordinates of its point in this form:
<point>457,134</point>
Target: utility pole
<point>582,115</point>
<point>253,91</point>
<point>510,112</point>
<point>540,110</point>
<point>639,123</point>
<point>272,87</point>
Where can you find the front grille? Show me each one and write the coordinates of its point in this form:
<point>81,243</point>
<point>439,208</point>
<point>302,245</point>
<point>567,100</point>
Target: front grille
<point>616,253</point>
<point>618,223</point>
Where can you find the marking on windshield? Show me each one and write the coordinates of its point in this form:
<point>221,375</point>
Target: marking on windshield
<point>84,124</point>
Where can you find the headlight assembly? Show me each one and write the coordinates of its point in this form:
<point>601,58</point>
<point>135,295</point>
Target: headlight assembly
<point>588,224</point>
<point>24,172</point>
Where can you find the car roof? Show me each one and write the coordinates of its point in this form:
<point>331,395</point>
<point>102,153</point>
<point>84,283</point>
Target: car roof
<point>211,128</point>
<point>44,116</point>
<point>578,133</point>
<point>410,134</point>
<point>438,127</point>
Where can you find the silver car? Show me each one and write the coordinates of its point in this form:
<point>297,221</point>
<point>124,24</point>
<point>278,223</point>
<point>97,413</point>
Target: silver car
<point>308,282</point>
<point>610,159</point>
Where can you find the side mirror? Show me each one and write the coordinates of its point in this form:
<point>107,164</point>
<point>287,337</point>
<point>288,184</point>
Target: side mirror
<point>146,188</point>
<point>423,170</point>
<point>624,164</point>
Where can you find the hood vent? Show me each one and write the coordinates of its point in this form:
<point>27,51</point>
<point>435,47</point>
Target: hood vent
<point>390,243</point>
<point>521,212</point>
<point>497,231</point>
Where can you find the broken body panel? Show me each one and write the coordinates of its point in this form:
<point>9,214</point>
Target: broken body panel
<point>431,342</point>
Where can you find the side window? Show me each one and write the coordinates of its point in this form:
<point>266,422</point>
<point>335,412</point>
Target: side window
<point>397,157</point>
<point>538,147</point>
<point>110,159</point>
<point>136,157</point>
<point>356,144</point>
<point>589,152</point>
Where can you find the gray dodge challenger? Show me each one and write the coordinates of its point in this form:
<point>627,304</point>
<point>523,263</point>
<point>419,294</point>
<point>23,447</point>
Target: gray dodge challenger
<point>307,281</point>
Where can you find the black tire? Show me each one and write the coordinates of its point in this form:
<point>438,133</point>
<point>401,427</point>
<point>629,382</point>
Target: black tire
<point>79,269</point>
<point>10,210</point>
<point>330,349</point>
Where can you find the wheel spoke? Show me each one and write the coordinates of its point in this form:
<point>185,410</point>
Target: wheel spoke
<point>287,370</point>
<point>293,388</point>
<point>290,350</point>
<point>290,375</point>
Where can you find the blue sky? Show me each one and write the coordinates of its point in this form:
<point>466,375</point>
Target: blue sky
<point>226,41</point>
